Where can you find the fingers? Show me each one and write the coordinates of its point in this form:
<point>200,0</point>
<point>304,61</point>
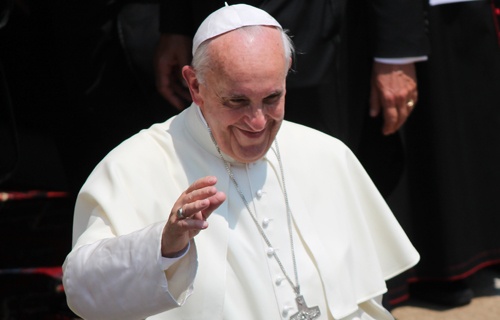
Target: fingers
<point>215,201</point>
<point>396,94</point>
<point>197,196</point>
<point>395,111</point>
<point>189,214</point>
<point>201,199</point>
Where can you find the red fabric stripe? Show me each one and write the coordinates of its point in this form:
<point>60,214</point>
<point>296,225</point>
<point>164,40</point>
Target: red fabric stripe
<point>32,194</point>
<point>495,6</point>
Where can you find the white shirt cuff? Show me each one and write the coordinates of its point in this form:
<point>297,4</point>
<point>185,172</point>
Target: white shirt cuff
<point>438,2</point>
<point>166,263</point>
<point>406,60</point>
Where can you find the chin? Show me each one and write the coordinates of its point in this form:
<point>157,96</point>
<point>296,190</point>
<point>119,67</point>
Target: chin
<point>247,156</point>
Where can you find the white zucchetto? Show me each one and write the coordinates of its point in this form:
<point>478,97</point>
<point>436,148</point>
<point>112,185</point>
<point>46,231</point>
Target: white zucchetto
<point>229,18</point>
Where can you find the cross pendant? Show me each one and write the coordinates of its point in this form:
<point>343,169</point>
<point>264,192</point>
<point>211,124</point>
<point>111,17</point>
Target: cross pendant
<point>305,313</point>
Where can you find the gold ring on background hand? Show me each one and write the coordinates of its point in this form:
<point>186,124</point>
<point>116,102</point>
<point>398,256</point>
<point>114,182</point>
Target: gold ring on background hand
<point>410,103</point>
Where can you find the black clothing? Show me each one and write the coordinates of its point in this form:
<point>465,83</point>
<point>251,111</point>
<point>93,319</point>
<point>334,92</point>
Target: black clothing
<point>454,146</point>
<point>452,154</point>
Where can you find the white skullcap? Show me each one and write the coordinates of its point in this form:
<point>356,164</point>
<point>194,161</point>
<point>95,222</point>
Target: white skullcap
<point>229,18</point>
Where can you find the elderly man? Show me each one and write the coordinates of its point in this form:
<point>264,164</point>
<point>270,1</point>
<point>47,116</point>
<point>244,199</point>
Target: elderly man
<point>228,212</point>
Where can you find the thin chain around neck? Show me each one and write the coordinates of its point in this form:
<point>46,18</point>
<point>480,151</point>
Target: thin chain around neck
<point>296,288</point>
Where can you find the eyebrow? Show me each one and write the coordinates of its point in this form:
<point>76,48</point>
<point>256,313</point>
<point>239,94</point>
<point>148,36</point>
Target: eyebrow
<point>235,96</point>
<point>275,93</point>
<point>242,96</point>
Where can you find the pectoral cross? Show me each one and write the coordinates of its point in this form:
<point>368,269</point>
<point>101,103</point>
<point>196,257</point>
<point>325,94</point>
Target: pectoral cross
<point>305,313</point>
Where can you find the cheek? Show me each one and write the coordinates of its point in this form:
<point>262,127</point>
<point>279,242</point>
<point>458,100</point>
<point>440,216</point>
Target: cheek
<point>221,121</point>
<point>278,113</point>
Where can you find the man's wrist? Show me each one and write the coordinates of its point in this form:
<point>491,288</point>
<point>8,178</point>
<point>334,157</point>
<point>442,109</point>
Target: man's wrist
<point>166,262</point>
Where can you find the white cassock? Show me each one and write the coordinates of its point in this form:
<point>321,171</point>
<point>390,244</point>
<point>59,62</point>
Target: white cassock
<point>347,241</point>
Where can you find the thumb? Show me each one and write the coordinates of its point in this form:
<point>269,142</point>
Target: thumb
<point>375,106</point>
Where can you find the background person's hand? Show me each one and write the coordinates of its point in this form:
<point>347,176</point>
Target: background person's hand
<point>394,93</point>
<point>197,203</point>
<point>172,53</point>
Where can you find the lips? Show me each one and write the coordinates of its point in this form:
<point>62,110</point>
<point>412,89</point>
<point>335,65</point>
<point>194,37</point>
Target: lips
<point>251,134</point>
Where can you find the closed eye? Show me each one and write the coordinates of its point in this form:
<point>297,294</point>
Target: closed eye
<point>273,98</point>
<point>236,102</point>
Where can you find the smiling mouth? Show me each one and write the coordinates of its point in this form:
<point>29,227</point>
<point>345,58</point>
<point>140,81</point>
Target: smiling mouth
<point>252,134</point>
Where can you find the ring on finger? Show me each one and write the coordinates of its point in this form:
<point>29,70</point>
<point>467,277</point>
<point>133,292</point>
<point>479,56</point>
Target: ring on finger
<point>410,103</point>
<point>180,213</point>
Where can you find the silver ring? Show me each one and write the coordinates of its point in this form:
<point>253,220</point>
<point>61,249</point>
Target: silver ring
<point>410,103</point>
<point>180,213</point>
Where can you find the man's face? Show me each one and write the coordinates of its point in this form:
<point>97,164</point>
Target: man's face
<point>243,95</point>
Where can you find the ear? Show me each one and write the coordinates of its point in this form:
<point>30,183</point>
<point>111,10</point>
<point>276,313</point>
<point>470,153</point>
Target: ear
<point>194,86</point>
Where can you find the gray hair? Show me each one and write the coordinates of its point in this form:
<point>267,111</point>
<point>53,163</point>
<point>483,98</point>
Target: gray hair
<point>201,60</point>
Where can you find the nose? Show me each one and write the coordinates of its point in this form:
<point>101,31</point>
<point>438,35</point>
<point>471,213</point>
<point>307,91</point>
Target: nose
<point>257,118</point>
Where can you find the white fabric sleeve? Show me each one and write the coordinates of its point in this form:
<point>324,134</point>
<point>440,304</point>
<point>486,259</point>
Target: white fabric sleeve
<point>122,277</point>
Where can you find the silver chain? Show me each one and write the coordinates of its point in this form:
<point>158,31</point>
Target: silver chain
<point>296,288</point>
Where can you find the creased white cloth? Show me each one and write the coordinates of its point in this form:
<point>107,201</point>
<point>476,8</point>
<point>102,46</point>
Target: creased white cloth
<point>343,227</point>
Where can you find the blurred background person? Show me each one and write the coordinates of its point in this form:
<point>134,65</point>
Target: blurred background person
<point>453,151</point>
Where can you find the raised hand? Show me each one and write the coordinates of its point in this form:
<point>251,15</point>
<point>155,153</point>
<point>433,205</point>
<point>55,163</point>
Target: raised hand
<point>189,215</point>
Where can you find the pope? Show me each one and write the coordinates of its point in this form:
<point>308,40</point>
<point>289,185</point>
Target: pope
<point>226,211</point>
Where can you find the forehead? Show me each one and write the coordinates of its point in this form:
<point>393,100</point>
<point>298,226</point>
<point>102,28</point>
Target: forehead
<point>249,56</point>
<point>250,40</point>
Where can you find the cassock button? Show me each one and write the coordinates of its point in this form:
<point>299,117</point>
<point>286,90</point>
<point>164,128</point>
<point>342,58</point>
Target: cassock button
<point>259,194</point>
<point>286,311</point>
<point>270,252</point>
<point>279,281</point>
<point>265,222</point>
